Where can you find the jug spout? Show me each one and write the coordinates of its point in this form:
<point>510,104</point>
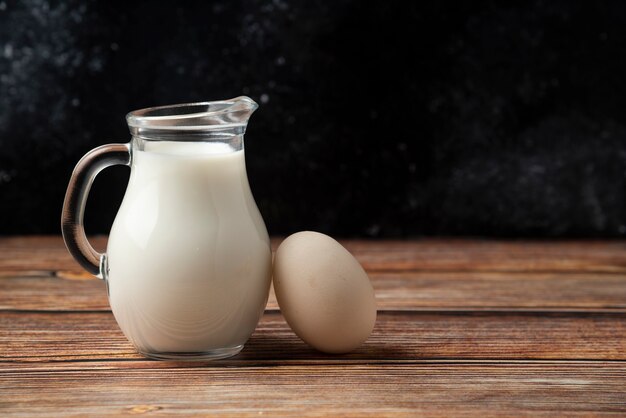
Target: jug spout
<point>191,118</point>
<point>239,109</point>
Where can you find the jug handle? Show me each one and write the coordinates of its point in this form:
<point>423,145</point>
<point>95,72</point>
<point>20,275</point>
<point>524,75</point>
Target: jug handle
<point>76,197</point>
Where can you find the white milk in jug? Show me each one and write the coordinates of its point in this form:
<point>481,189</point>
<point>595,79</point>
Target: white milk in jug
<point>188,256</point>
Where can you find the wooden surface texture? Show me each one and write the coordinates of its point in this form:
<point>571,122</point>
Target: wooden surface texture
<point>465,328</point>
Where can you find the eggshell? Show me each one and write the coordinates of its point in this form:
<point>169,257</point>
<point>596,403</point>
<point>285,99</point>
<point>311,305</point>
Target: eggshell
<point>323,292</point>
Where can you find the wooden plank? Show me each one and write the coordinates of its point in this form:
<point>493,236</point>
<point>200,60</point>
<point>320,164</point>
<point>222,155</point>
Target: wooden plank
<point>394,291</point>
<point>398,336</point>
<point>50,293</point>
<point>434,389</point>
<point>47,253</point>
<point>490,255</point>
<point>36,255</point>
<point>511,291</point>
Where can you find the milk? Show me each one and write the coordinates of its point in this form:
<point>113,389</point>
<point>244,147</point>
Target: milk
<point>188,255</point>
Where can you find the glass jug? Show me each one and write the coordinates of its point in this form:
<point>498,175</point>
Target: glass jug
<point>188,260</point>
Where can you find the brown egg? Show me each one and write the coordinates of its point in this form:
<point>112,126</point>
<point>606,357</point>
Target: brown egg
<point>323,292</point>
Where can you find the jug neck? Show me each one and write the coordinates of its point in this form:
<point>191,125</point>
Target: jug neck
<point>215,147</point>
<point>222,121</point>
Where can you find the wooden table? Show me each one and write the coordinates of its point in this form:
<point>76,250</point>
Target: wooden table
<point>464,328</point>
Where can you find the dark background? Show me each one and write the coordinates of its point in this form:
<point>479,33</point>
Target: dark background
<point>389,118</point>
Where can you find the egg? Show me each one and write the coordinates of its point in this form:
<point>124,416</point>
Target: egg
<point>323,292</point>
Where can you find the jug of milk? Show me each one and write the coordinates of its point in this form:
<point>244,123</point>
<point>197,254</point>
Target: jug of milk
<point>188,260</point>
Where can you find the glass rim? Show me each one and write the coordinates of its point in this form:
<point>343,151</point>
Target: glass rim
<point>194,116</point>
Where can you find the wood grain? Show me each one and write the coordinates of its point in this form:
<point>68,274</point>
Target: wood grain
<point>491,255</point>
<point>47,253</point>
<point>434,389</point>
<point>465,327</point>
<point>397,336</point>
<point>430,290</point>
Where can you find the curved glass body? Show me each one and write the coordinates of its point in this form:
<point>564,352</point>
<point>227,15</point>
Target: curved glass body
<point>188,262</point>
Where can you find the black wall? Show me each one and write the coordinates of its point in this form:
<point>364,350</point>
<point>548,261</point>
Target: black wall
<point>390,118</point>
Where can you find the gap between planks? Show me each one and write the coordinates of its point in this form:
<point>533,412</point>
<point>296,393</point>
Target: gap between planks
<point>68,365</point>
